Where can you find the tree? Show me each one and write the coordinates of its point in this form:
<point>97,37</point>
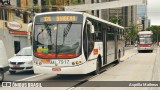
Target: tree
<point>131,34</point>
<point>156,32</point>
<point>116,20</point>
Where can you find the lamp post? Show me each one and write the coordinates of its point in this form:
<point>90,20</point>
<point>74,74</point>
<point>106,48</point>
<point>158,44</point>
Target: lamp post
<point>3,15</point>
<point>3,3</point>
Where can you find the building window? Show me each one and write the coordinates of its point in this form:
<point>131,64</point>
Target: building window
<point>92,12</point>
<point>17,46</point>
<point>97,1</point>
<point>35,2</point>
<point>92,1</point>
<point>1,14</point>
<point>97,13</point>
<point>19,3</point>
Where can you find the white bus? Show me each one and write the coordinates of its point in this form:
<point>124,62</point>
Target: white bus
<point>74,43</point>
<point>145,41</point>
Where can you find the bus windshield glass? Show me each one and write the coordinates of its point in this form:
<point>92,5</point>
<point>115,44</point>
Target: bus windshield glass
<point>57,40</point>
<point>145,40</point>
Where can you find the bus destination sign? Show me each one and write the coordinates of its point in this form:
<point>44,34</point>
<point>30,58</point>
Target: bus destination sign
<point>59,18</point>
<point>144,36</point>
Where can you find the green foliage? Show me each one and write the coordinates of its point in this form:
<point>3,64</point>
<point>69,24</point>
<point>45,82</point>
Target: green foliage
<point>75,2</point>
<point>116,20</point>
<point>131,34</point>
<point>156,32</point>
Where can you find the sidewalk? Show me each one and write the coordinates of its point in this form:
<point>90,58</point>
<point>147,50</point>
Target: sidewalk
<point>129,53</point>
<point>135,69</point>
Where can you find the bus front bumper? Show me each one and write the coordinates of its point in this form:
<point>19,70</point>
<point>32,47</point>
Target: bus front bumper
<point>80,69</point>
<point>145,48</point>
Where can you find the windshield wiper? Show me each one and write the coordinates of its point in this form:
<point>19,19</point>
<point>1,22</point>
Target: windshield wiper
<point>39,34</point>
<point>66,30</point>
<point>48,30</point>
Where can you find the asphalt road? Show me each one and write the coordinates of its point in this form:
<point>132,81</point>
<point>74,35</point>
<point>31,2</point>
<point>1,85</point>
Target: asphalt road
<point>134,66</point>
<point>17,76</point>
<point>23,75</point>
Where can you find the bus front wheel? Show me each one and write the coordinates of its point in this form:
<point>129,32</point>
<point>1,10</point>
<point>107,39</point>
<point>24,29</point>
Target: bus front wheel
<point>97,68</point>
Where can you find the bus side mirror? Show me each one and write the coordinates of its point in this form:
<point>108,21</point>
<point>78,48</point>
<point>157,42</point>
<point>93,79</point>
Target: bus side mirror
<point>92,29</point>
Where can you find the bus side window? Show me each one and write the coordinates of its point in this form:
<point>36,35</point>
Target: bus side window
<point>88,39</point>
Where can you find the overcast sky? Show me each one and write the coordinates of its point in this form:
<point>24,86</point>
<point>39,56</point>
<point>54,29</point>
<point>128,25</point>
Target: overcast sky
<point>154,11</point>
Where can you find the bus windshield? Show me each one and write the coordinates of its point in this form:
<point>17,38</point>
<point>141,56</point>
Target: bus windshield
<point>56,40</point>
<point>146,40</point>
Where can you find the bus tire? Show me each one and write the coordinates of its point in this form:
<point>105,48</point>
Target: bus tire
<point>97,68</point>
<point>1,76</point>
<point>118,59</point>
<point>12,72</point>
<point>139,51</point>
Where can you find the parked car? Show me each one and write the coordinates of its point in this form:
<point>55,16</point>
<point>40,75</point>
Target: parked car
<point>22,61</point>
<point>4,66</point>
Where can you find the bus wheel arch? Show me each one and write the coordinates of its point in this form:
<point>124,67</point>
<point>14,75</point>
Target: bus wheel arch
<point>98,65</point>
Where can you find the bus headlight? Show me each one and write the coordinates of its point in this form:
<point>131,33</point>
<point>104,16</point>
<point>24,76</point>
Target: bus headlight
<point>77,63</point>
<point>73,63</point>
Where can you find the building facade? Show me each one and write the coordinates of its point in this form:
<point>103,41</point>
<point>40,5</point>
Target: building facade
<point>125,16</point>
<point>14,20</point>
<point>142,18</point>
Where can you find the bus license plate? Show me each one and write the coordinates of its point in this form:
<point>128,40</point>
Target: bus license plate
<point>59,62</point>
<point>56,69</point>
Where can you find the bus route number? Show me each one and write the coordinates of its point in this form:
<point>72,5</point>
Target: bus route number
<point>47,19</point>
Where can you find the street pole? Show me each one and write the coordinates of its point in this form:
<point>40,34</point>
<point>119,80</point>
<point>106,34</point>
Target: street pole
<point>3,21</point>
<point>157,39</point>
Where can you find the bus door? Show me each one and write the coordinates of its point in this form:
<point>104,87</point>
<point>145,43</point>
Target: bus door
<point>110,45</point>
<point>116,43</point>
<point>88,42</point>
<point>104,45</point>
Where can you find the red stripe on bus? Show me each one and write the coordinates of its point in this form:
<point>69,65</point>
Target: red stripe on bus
<point>53,55</point>
<point>145,45</point>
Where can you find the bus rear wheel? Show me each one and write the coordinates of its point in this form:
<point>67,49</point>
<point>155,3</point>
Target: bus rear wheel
<point>139,51</point>
<point>1,76</point>
<point>98,66</point>
<point>118,59</point>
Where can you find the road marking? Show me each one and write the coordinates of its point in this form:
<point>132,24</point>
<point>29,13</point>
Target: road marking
<point>30,77</point>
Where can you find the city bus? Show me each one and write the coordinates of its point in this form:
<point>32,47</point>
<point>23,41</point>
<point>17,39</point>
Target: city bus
<point>145,41</point>
<point>74,43</point>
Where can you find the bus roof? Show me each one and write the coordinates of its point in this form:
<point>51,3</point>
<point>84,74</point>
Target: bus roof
<point>145,32</point>
<point>85,14</point>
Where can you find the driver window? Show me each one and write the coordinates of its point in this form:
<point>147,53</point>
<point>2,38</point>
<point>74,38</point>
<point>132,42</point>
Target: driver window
<point>90,38</point>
